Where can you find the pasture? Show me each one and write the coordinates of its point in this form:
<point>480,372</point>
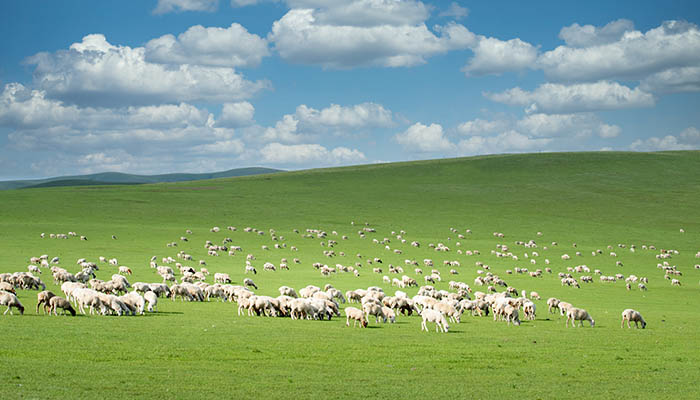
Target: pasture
<point>205,350</point>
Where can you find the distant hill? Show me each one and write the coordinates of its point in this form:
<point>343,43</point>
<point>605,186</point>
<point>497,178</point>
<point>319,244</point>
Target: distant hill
<point>118,178</point>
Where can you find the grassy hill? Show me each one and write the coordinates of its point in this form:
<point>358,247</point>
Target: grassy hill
<point>593,200</point>
<point>110,178</point>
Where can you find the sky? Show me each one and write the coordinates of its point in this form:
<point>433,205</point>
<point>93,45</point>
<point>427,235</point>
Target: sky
<point>166,86</point>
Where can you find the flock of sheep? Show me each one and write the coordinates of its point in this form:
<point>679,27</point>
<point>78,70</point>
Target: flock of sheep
<point>84,293</point>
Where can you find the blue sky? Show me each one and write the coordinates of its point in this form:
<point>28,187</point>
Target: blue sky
<point>202,85</point>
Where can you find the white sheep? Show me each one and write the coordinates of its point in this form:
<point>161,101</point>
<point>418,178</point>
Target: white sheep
<point>574,314</point>
<point>634,316</point>
<point>10,300</point>
<point>152,300</point>
<point>429,315</point>
<point>356,315</point>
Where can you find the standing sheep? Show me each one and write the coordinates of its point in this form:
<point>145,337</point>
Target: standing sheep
<point>434,316</point>
<point>10,300</point>
<point>59,302</point>
<point>634,316</point>
<point>574,314</point>
<point>356,315</point>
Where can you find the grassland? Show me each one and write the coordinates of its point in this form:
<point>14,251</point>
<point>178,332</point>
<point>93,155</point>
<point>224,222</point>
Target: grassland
<point>199,350</point>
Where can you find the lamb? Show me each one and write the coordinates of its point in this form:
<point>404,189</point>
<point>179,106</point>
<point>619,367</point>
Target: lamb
<point>10,300</point>
<point>59,302</point>
<point>124,270</point>
<point>564,307</point>
<point>356,315</point>
<point>288,291</point>
<point>249,282</point>
<point>634,316</point>
<point>152,300</point>
<point>535,296</point>
<point>578,314</point>
<point>449,310</point>
<point>434,316</point>
<point>220,277</point>
<point>43,298</point>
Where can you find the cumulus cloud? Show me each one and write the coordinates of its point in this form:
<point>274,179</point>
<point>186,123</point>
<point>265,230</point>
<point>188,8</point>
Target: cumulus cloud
<point>234,115</point>
<point>39,123</point>
<point>557,98</point>
<point>342,120</point>
<point>167,6</point>
<point>222,47</point>
<point>455,10</point>
<point>506,142</point>
<point>581,125</point>
<point>420,138</point>
<point>493,56</point>
<point>616,52</point>
<point>95,72</point>
<point>588,35</point>
<point>686,79</point>
<point>355,35</point>
<point>309,154</point>
<point>480,126</point>
<point>689,139</point>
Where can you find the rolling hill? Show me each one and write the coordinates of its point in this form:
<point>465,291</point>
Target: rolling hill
<point>112,178</point>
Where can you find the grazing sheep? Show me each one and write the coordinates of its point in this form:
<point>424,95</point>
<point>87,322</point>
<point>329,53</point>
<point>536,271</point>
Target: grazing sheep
<point>249,282</point>
<point>389,314</point>
<point>634,316</point>
<point>152,300</point>
<point>535,296</point>
<point>10,300</point>
<point>59,302</point>
<point>578,314</point>
<point>43,298</point>
<point>124,270</point>
<point>434,316</point>
<point>356,315</point>
<point>511,315</point>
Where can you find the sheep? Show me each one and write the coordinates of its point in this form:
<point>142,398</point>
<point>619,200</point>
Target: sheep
<point>564,307</point>
<point>535,296</point>
<point>429,315</point>
<point>389,314</point>
<point>552,304</point>
<point>529,309</point>
<point>134,301</point>
<point>675,282</point>
<point>124,270</point>
<point>43,298</point>
<point>59,302</point>
<point>288,291</point>
<point>578,314</point>
<point>356,315</point>
<point>511,315</point>
<point>10,300</point>
<point>249,282</point>
<point>449,310</point>
<point>374,309</point>
<point>152,300</point>
<point>251,269</point>
<point>634,316</point>
<point>222,278</point>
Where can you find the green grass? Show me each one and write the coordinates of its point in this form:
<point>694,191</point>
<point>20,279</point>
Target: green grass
<point>202,350</point>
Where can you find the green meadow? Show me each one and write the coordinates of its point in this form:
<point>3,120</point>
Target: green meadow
<point>205,350</point>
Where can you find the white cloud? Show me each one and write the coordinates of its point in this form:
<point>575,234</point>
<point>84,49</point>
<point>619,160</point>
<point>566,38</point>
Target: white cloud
<point>686,79</point>
<point>234,115</point>
<point>689,139</point>
<point>244,3</point>
<point>635,55</point>
<point>509,141</point>
<point>307,121</point>
<point>609,131</point>
<point>557,98</point>
<point>95,72</point>
<point>424,139</point>
<point>480,126</point>
<point>494,56</point>
<point>166,6</point>
<point>581,125</point>
<point>455,10</point>
<point>231,147</point>
<point>312,36</point>
<point>221,47</point>
<point>338,117</point>
<point>309,154</point>
<point>364,13</point>
<point>588,35</point>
